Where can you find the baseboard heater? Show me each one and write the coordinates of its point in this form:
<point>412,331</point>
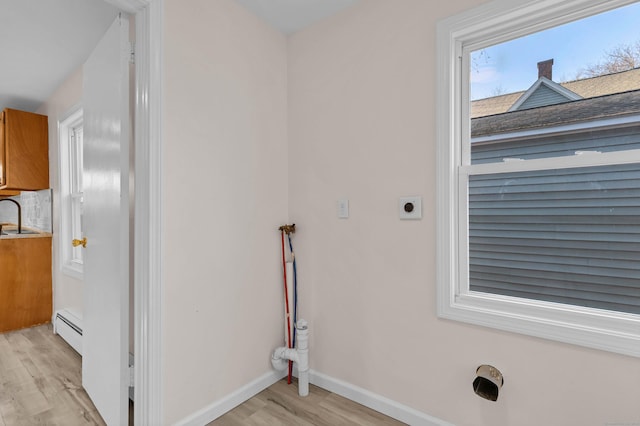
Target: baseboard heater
<point>68,325</point>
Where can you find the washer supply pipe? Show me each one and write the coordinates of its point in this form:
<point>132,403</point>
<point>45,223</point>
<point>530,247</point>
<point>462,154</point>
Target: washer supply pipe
<point>282,355</point>
<point>286,304</point>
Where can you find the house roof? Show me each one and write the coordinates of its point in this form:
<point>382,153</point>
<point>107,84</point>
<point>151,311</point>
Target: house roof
<point>586,88</point>
<point>544,92</point>
<point>606,84</point>
<point>583,110</point>
<point>494,105</point>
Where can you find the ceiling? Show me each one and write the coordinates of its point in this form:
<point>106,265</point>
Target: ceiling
<point>44,41</point>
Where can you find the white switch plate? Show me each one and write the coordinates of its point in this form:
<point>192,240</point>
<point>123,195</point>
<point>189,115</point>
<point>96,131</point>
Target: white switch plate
<point>343,209</point>
<point>410,208</point>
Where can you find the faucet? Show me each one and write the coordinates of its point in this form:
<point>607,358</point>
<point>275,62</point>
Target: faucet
<point>19,213</point>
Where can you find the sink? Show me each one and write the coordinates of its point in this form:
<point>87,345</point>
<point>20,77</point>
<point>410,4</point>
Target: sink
<point>12,229</point>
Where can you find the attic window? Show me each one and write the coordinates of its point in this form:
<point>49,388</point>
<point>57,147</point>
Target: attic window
<point>538,220</point>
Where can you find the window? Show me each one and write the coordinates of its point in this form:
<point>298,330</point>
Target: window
<point>71,192</point>
<point>539,200</point>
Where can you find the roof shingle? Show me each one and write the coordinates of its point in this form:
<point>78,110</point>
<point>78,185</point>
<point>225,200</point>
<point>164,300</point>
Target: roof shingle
<point>587,88</point>
<point>583,110</point>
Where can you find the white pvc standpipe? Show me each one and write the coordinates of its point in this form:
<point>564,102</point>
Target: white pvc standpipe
<point>282,355</point>
<point>302,340</point>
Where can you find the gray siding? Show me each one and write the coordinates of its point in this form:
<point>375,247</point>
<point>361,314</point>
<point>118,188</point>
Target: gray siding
<point>555,146</point>
<point>569,236</point>
<point>543,96</point>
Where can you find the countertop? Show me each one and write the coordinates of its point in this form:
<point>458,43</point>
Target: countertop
<point>13,226</point>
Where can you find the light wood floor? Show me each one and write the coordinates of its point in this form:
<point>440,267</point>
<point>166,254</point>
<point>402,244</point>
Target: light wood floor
<point>40,381</point>
<point>281,405</point>
<point>40,384</point>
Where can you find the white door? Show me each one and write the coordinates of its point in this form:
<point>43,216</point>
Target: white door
<point>106,218</point>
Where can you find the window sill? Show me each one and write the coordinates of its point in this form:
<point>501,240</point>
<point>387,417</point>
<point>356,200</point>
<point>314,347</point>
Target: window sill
<point>598,329</point>
<point>73,270</point>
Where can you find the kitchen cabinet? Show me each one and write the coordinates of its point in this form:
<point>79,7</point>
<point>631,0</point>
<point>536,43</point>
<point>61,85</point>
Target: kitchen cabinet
<point>24,151</point>
<point>25,281</point>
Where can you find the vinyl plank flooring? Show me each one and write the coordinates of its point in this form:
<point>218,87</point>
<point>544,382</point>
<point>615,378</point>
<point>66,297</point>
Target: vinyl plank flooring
<point>280,405</point>
<point>40,381</point>
<point>239,415</point>
<point>355,414</point>
<point>40,384</point>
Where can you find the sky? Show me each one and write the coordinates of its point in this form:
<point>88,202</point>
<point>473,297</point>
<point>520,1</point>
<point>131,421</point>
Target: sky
<point>512,66</point>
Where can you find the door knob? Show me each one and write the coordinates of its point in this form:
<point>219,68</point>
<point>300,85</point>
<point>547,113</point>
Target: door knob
<point>82,242</point>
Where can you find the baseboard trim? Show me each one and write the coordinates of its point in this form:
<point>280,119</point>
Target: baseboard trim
<point>374,401</point>
<point>229,402</point>
<point>362,396</point>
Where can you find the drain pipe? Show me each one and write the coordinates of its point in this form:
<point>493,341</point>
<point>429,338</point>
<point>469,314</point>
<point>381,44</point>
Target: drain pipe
<point>282,355</point>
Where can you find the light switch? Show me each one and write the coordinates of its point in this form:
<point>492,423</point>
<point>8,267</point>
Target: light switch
<point>343,208</point>
<point>410,208</point>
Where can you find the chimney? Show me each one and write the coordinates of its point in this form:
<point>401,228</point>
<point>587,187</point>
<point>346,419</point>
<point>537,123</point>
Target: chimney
<point>545,69</point>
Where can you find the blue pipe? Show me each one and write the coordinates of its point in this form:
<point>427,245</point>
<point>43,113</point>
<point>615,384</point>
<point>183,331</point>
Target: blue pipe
<point>295,291</point>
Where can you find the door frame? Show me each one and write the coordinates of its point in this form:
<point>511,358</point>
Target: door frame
<point>148,208</point>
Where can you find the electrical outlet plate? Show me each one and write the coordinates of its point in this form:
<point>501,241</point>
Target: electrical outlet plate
<point>343,208</point>
<point>410,208</point>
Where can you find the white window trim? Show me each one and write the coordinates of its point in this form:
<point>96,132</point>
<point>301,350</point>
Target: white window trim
<point>486,25</point>
<point>67,265</point>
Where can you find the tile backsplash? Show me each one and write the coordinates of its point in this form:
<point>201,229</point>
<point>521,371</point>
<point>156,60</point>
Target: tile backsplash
<point>36,210</point>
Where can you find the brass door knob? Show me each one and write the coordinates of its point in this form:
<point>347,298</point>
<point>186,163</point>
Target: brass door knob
<point>82,242</point>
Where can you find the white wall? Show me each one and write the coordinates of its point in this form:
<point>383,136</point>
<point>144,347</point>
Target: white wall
<point>67,291</point>
<point>224,196</point>
<point>344,109</point>
<point>362,126</point>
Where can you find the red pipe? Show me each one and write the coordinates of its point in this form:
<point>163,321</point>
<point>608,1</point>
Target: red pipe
<point>286,303</point>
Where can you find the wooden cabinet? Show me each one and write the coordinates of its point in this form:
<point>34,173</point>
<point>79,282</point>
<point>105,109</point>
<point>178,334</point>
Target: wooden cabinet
<point>25,282</point>
<point>24,151</point>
